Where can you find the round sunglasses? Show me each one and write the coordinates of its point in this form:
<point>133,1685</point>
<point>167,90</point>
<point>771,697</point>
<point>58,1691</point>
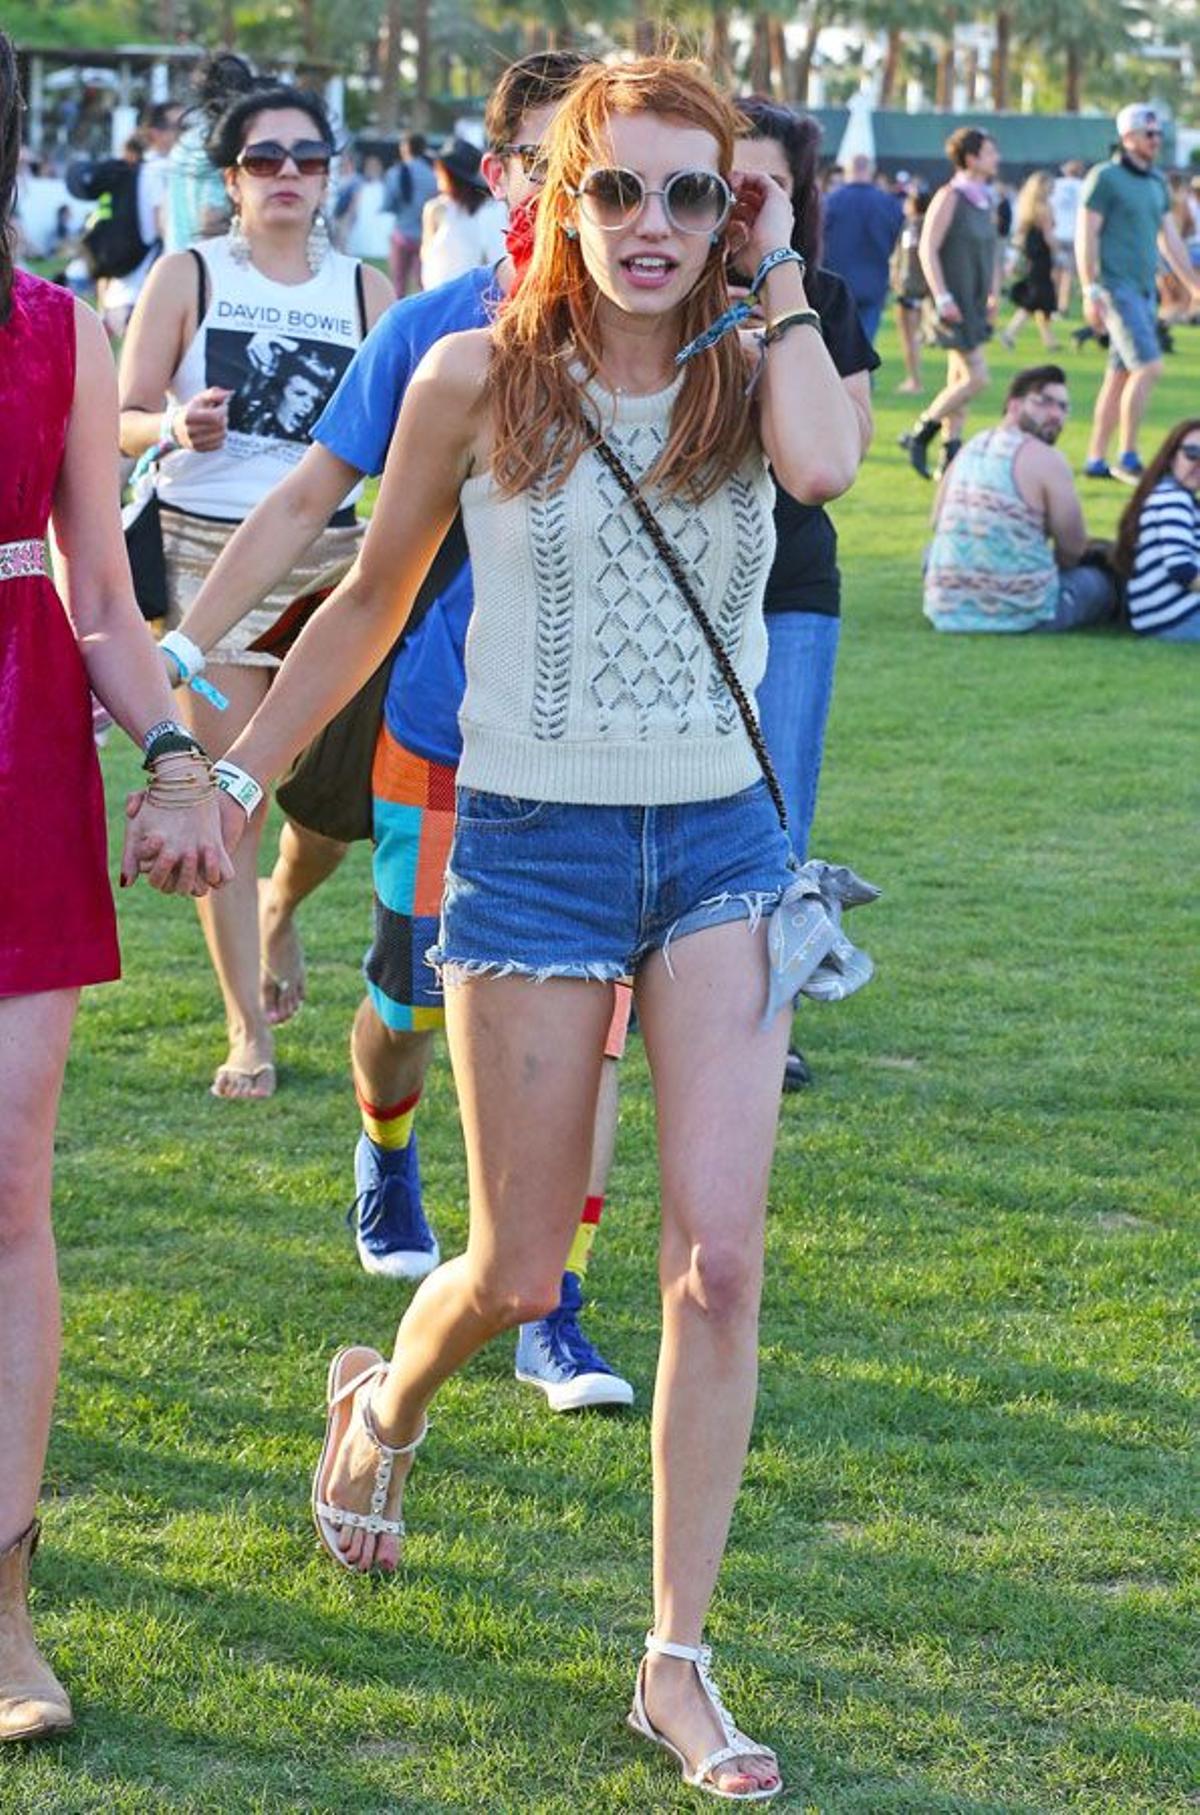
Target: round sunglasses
<point>1189,449</point>
<point>312,157</point>
<point>694,201</point>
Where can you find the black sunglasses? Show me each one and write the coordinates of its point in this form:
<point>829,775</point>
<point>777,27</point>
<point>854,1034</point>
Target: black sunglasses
<point>533,160</point>
<point>1189,449</point>
<point>312,157</point>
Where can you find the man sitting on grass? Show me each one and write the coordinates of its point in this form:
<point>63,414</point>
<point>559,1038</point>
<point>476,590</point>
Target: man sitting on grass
<point>1008,531</point>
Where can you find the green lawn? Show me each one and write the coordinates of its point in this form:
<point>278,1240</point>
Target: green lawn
<point>963,1575</point>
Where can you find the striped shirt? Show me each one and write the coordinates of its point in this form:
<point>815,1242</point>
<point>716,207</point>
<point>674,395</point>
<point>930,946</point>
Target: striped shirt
<point>1166,559</point>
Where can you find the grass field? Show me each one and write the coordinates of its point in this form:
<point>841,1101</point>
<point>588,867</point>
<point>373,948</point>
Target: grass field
<point>964,1571</point>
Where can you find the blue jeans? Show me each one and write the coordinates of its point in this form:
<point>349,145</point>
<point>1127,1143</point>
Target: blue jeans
<point>1187,630</point>
<point>1086,595</point>
<point>870,314</point>
<point>793,704</point>
<point>551,889</point>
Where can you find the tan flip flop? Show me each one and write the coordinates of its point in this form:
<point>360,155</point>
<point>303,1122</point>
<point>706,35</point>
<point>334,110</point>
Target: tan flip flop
<point>252,1076</point>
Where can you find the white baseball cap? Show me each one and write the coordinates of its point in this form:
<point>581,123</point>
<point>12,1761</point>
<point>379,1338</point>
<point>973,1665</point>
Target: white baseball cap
<point>1137,117</point>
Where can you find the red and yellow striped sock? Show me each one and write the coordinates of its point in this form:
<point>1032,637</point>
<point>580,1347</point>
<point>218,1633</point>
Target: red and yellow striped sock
<point>585,1235</point>
<point>389,1128</point>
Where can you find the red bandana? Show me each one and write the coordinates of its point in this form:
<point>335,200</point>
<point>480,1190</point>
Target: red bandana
<point>518,237</point>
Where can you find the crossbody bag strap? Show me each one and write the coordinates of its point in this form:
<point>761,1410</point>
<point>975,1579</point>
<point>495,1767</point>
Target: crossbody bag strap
<point>674,567</point>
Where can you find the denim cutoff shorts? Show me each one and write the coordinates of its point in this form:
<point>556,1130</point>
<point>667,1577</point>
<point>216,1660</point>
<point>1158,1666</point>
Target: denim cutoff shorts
<point>1132,329</point>
<point>551,889</point>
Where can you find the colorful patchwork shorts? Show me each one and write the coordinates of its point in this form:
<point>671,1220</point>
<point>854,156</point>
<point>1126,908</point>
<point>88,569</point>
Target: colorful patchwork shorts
<point>414,826</point>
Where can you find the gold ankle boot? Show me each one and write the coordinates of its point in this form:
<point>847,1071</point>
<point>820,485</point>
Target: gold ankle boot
<point>32,1700</point>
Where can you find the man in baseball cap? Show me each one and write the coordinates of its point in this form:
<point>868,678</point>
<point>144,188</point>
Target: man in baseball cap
<point>1139,118</point>
<point>1124,224</point>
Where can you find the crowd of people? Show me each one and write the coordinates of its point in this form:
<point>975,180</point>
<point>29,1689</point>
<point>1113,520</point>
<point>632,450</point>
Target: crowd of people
<point>601,534</point>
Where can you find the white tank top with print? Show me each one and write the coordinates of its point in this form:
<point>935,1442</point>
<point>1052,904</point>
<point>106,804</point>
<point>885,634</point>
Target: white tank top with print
<point>281,349</point>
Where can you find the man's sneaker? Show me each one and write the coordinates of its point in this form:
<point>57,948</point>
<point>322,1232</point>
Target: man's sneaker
<point>554,1354</point>
<point>1097,469</point>
<point>796,1073</point>
<point>1130,464</point>
<point>390,1231</point>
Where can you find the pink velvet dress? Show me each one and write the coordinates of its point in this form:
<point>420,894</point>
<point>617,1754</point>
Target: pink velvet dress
<point>57,926</point>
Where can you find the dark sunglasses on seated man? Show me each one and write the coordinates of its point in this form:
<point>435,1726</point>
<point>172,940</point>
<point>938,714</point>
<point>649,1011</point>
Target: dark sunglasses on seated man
<point>267,157</point>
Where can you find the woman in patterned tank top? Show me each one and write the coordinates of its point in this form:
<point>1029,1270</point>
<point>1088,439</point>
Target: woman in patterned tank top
<point>609,806</point>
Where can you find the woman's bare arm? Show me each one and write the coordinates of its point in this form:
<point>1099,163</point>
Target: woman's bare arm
<point>265,548</point>
<point>163,324</point>
<point>343,643</point>
<point>122,663</point>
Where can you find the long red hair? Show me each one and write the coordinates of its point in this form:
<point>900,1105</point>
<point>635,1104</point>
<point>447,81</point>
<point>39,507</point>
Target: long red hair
<point>549,325</point>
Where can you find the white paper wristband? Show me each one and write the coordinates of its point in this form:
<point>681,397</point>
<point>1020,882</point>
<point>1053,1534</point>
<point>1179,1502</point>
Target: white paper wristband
<point>187,656</point>
<point>238,784</point>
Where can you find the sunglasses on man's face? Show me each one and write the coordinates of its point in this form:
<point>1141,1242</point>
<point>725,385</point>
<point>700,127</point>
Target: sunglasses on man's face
<point>694,201</point>
<point>312,157</point>
<point>533,160</point>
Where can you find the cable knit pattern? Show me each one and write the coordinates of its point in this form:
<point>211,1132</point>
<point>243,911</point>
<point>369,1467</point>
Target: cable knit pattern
<point>555,588</point>
<point>587,679</point>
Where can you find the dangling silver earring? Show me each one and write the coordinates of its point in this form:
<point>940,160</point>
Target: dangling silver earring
<point>569,232</point>
<point>239,245</point>
<point>316,246</point>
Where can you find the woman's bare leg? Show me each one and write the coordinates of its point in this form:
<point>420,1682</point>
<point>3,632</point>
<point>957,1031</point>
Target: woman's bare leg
<point>716,1072</point>
<point>306,859</point>
<point>35,1032</point>
<point>527,1060</point>
<point>229,916</point>
<point>909,323</point>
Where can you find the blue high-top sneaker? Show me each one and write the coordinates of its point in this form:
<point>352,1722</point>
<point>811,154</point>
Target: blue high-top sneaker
<point>555,1355</point>
<point>390,1231</point>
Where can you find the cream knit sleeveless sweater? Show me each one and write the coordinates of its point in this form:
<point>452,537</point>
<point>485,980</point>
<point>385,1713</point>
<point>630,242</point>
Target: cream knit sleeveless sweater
<point>587,677</point>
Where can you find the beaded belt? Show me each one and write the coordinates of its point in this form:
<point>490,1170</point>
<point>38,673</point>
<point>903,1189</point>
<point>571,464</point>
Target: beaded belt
<point>20,560</point>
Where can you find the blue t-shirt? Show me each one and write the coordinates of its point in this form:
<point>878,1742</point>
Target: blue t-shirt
<point>429,674</point>
<point>862,224</point>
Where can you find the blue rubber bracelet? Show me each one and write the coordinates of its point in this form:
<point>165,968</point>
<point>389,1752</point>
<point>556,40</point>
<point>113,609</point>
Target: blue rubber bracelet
<point>208,692</point>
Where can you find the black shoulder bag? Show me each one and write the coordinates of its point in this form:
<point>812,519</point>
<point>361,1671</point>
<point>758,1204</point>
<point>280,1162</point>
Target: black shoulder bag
<point>674,567</point>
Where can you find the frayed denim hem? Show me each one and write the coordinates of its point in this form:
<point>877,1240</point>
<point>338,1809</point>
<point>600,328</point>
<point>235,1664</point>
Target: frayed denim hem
<point>452,972</point>
<point>718,910</point>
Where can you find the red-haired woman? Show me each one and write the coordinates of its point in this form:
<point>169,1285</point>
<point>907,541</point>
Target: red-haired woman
<point>612,813</point>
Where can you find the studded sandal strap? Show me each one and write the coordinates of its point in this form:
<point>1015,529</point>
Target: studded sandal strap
<point>372,1522</point>
<point>389,1450</point>
<point>725,1755</point>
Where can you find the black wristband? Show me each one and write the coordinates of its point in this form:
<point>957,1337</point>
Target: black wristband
<point>173,742</point>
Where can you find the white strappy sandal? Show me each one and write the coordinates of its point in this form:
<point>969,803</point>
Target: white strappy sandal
<point>340,1392</point>
<point>736,1744</point>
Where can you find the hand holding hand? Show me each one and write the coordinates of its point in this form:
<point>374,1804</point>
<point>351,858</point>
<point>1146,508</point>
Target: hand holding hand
<point>180,851</point>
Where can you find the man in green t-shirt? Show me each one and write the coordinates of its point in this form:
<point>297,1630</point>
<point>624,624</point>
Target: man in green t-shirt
<point>1124,223</point>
